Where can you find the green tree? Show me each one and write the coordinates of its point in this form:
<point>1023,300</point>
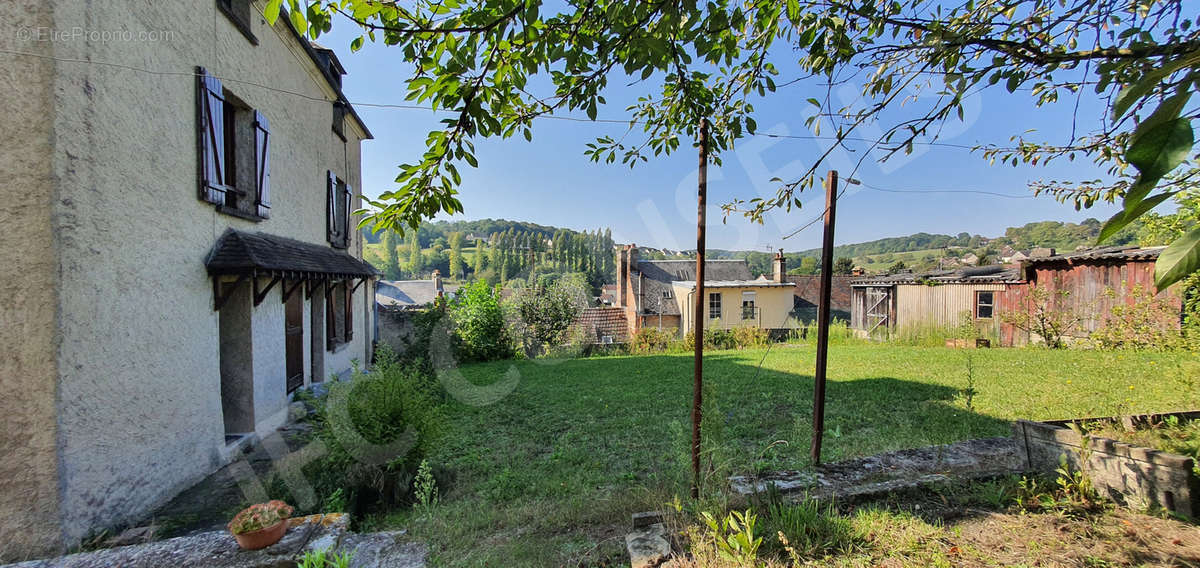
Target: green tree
<point>416,259</point>
<point>479,323</point>
<point>457,264</point>
<point>391,257</point>
<point>545,312</point>
<point>843,265</point>
<point>477,269</point>
<point>712,60</point>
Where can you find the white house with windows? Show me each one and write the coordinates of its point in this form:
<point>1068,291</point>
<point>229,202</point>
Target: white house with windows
<point>181,256</point>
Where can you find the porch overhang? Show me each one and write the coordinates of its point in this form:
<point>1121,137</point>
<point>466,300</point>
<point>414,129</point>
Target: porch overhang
<point>245,256</point>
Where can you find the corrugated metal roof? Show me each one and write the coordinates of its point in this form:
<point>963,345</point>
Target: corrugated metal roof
<point>983,274</point>
<point>1104,253</point>
<point>735,284</point>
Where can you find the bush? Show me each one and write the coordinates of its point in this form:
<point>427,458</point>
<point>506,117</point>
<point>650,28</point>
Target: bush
<point>375,428</point>
<point>479,329</point>
<point>1147,323</point>
<point>542,315</point>
<point>749,337</point>
<point>651,340</point>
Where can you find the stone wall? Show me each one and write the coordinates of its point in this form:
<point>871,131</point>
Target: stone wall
<point>29,509</point>
<point>1130,475</point>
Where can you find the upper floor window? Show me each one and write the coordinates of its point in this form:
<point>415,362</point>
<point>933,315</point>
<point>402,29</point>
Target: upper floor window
<point>239,13</point>
<point>235,149</point>
<point>338,196</point>
<point>339,119</point>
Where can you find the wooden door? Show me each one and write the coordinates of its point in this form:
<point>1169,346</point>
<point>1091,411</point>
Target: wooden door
<point>294,341</point>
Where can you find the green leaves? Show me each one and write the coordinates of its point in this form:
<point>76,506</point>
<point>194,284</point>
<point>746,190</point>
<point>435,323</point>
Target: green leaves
<point>1179,260</point>
<point>1160,149</point>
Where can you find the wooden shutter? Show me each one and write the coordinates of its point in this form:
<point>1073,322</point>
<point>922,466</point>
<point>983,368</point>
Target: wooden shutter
<point>349,310</point>
<point>331,200</point>
<point>262,165</point>
<point>211,124</point>
<point>330,329</point>
<point>347,198</point>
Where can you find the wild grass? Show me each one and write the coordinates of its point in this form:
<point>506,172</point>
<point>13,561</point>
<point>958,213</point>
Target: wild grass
<point>549,475</point>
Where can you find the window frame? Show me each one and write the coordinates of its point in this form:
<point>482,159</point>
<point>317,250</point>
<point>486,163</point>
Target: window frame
<point>339,311</point>
<point>750,306</point>
<point>714,312</point>
<point>990,305</point>
<point>234,151</point>
<point>240,15</point>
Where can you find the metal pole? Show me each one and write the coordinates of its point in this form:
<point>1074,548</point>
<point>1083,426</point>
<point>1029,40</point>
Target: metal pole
<point>698,315</point>
<point>831,183</point>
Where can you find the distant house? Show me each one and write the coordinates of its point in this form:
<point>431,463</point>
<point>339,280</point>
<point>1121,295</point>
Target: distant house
<point>970,260</point>
<point>883,305</point>
<point>601,326</point>
<point>661,294</point>
<point>1085,279</point>
<point>807,295</point>
<point>412,294</point>
<point>608,294</point>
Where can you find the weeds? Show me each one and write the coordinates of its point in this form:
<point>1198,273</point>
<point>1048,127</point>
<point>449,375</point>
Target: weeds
<point>733,536</point>
<point>325,559</point>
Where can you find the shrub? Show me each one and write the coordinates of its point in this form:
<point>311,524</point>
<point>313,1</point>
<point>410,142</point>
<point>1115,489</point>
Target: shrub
<point>479,330</point>
<point>746,337</point>
<point>542,315</point>
<point>1148,322</point>
<point>375,429</point>
<point>650,340</point>
<point>1047,314</point>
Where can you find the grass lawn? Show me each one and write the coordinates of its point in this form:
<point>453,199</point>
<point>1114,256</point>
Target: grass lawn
<point>550,473</point>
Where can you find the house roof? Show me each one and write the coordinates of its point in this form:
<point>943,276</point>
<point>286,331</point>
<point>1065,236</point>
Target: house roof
<point>409,293</point>
<point>325,64</point>
<point>992,274</point>
<point>595,323</point>
<point>735,284</point>
<point>261,254</point>
<point>1104,253</point>
<point>655,288</point>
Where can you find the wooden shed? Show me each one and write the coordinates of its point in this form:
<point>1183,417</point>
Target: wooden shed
<point>883,305</point>
<point>1082,281</point>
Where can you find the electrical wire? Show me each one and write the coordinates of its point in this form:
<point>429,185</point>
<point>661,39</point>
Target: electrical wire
<point>448,111</point>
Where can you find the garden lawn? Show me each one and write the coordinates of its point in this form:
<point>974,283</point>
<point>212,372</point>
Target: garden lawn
<point>549,474</point>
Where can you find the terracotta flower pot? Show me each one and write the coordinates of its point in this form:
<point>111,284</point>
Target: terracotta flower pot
<point>262,538</point>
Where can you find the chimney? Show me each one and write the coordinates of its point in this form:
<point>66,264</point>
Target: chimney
<point>437,282</point>
<point>622,274</point>
<point>780,266</point>
<point>633,257</point>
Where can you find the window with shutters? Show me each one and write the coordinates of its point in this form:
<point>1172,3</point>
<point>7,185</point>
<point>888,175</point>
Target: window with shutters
<point>239,13</point>
<point>338,206</point>
<point>235,143</point>
<point>339,320</point>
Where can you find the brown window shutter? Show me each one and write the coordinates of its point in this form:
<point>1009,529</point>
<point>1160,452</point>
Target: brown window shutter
<point>211,123</point>
<point>349,311</point>
<point>331,208</point>
<point>348,197</point>
<point>262,163</point>
<point>330,316</point>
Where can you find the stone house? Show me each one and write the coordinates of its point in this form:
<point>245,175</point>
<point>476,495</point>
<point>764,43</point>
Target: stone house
<point>180,259</point>
<point>660,294</point>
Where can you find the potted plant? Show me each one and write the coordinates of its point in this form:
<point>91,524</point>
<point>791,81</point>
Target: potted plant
<point>260,525</point>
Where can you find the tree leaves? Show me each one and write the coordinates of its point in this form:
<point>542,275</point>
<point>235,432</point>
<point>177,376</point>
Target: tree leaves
<point>1160,149</point>
<point>1179,260</point>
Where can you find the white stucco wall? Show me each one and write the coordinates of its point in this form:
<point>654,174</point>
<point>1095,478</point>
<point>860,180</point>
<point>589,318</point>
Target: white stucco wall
<point>29,509</point>
<point>139,413</point>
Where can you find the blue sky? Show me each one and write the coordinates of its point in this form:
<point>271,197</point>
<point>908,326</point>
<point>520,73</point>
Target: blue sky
<point>550,181</point>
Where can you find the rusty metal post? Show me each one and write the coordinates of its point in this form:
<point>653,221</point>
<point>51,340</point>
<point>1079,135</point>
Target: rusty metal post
<point>698,314</point>
<point>831,183</point>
